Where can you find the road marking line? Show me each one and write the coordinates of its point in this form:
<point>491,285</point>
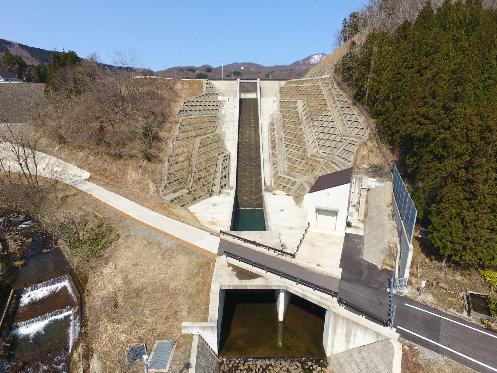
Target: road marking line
<point>450,349</point>
<point>454,321</point>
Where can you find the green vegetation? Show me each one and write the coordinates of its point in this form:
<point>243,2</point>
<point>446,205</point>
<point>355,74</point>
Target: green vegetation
<point>87,236</point>
<point>24,72</point>
<point>61,76</point>
<point>490,277</point>
<point>431,85</point>
<point>492,306</point>
<point>350,27</point>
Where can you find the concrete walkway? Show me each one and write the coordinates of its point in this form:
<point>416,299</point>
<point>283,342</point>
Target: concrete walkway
<point>52,167</point>
<point>171,227</point>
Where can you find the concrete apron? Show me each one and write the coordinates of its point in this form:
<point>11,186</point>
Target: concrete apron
<point>343,330</point>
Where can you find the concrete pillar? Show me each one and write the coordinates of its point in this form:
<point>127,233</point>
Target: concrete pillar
<point>328,333</point>
<point>282,300</point>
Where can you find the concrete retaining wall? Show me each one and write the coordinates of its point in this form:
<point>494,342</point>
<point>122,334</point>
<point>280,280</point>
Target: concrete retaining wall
<point>342,334</point>
<point>208,331</point>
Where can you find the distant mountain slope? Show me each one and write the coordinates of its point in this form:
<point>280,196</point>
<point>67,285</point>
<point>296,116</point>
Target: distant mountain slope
<point>30,55</point>
<point>310,60</point>
<point>246,70</point>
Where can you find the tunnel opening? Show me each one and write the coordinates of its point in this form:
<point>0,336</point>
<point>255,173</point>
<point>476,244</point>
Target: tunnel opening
<point>248,211</point>
<point>250,326</point>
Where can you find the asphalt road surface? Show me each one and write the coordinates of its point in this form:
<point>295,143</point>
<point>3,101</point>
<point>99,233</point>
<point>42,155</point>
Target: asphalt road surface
<point>447,335</point>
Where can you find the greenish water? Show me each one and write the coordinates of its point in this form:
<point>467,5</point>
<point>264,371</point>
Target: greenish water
<point>249,220</point>
<point>250,326</point>
<point>479,303</point>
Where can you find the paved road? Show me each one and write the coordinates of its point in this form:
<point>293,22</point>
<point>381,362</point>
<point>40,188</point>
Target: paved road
<point>447,335</point>
<point>362,283</point>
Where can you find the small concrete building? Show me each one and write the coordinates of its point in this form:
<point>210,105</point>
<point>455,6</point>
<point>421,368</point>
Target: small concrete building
<point>328,200</point>
<point>8,77</point>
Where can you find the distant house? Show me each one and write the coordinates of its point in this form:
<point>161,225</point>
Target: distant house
<point>327,201</point>
<point>8,77</point>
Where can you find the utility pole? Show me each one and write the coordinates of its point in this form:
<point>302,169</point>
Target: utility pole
<point>222,71</point>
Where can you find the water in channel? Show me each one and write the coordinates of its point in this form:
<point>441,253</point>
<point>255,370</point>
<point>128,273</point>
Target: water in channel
<point>42,317</point>
<point>250,326</point>
<point>249,206</point>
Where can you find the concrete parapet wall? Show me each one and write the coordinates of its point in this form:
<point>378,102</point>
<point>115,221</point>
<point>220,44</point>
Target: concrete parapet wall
<point>208,331</point>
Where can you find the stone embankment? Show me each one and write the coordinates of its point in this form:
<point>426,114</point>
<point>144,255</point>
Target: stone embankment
<point>272,365</point>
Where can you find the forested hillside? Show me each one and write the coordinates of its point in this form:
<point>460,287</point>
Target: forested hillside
<point>431,86</point>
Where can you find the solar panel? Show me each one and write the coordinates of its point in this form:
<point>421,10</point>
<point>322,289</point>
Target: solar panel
<point>161,356</point>
<point>135,353</point>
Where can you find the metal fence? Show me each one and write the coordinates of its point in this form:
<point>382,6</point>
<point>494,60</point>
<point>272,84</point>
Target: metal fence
<point>405,205</point>
<point>405,217</point>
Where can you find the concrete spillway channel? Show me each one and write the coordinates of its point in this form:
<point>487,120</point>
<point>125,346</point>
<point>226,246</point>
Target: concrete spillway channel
<point>248,212</point>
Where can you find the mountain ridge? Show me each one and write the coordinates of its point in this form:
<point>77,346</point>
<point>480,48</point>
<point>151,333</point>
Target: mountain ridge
<point>245,70</point>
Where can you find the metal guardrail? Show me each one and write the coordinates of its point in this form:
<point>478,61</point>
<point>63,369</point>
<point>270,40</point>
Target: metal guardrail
<point>311,285</point>
<point>258,244</point>
<point>302,239</point>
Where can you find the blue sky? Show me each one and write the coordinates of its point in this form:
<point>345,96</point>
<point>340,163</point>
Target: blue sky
<point>161,34</point>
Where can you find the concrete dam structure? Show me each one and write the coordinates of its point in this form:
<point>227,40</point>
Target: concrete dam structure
<point>290,207</point>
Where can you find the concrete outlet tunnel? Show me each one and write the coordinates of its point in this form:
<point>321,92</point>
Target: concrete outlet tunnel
<point>270,323</point>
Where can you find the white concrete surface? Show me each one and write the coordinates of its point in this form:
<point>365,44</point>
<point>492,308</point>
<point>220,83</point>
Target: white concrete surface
<point>285,217</point>
<point>216,212</point>
<point>380,231</point>
<point>268,238</point>
<point>332,199</point>
<point>322,251</point>
<point>193,354</point>
<point>207,330</point>
<point>269,98</point>
<point>377,357</point>
<point>16,158</point>
<point>342,334</point>
<point>55,168</point>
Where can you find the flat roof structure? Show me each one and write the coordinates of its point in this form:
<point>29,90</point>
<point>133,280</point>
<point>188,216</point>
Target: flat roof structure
<point>332,180</point>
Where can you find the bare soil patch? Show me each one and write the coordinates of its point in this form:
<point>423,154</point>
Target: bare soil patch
<point>417,359</point>
<point>368,155</point>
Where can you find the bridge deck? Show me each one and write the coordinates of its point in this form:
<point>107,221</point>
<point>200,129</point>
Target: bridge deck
<point>280,266</point>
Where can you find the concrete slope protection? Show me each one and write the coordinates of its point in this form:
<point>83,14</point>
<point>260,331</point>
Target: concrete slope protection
<point>54,168</point>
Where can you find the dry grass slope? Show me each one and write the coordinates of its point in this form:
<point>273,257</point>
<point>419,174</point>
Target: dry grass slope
<point>19,101</point>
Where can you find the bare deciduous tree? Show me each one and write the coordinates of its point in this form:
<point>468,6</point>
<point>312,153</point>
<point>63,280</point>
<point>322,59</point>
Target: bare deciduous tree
<point>21,186</point>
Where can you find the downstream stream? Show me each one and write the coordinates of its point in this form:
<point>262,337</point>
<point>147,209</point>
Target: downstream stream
<point>41,310</point>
